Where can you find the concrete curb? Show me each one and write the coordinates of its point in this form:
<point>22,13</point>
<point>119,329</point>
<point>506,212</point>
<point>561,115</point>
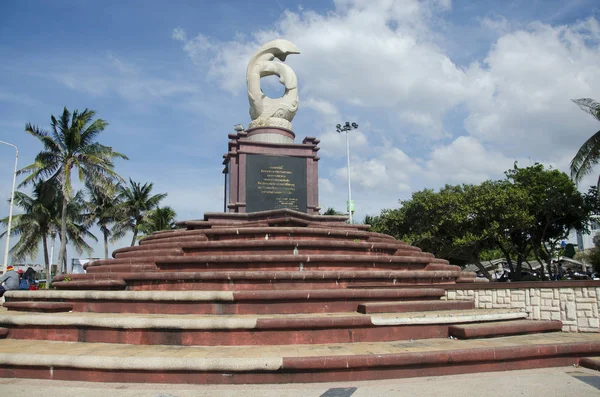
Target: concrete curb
<point>152,296</point>
<point>143,363</point>
<point>444,318</point>
<point>112,321</point>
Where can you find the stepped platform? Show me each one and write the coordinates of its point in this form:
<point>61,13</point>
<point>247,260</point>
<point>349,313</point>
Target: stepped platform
<point>222,330</point>
<point>269,297</point>
<point>102,362</point>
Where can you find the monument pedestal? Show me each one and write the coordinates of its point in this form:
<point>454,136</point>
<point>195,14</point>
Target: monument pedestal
<point>266,170</point>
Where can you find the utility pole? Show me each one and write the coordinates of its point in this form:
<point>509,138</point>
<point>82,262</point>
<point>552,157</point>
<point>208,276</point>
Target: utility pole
<point>12,197</point>
<point>346,128</point>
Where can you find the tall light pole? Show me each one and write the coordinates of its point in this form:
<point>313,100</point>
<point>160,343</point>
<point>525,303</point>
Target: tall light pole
<point>345,128</point>
<point>12,197</point>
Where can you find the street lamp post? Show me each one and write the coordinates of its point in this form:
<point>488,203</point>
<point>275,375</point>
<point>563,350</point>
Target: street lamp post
<point>12,197</point>
<point>345,128</point>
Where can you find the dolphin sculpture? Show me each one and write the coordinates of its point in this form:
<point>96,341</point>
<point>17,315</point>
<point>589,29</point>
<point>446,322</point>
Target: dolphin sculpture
<point>266,111</point>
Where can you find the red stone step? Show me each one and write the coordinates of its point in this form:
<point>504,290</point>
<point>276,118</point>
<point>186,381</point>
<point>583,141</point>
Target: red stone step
<point>119,268</point>
<point>41,307</point>
<point>172,235</point>
<point>299,262</point>
<point>211,330</point>
<point>288,233</point>
<point>3,332</point>
<point>271,280</point>
<point>413,306</point>
<point>265,247</point>
<point>149,252</point>
<point>91,284</point>
<point>502,328</point>
<point>224,302</point>
<point>171,240</point>
<point>271,262</point>
<point>323,363</point>
<point>590,362</point>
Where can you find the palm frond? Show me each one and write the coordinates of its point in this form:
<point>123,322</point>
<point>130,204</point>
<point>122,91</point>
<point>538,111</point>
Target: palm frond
<point>588,105</point>
<point>89,134</point>
<point>586,158</point>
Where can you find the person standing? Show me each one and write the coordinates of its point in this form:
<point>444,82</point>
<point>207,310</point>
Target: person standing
<point>9,281</point>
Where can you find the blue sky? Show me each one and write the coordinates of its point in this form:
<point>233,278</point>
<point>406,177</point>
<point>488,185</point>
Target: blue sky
<point>444,91</point>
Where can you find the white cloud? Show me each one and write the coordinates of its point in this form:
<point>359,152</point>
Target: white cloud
<point>390,170</point>
<point>113,75</point>
<point>465,160</point>
<point>325,186</point>
<point>382,63</point>
<point>354,56</point>
<point>323,107</point>
<point>178,34</point>
<point>529,76</point>
<point>496,23</point>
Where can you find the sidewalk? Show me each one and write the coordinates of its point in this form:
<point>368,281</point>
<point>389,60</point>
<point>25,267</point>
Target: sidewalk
<point>547,382</point>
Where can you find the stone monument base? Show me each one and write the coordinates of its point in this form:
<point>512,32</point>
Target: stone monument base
<point>269,297</point>
<point>266,170</point>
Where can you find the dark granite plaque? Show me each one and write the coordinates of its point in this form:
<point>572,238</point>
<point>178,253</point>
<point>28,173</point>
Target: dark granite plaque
<point>274,182</point>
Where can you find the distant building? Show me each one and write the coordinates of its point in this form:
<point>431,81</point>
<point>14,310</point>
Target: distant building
<point>584,241</point>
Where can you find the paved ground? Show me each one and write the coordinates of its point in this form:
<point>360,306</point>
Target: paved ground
<point>548,382</point>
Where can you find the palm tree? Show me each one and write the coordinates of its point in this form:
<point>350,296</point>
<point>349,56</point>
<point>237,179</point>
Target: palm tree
<point>102,209</point>
<point>71,145</point>
<point>41,219</point>
<point>136,200</point>
<point>157,220</point>
<point>77,225</point>
<point>588,154</point>
<point>332,211</point>
<point>36,222</point>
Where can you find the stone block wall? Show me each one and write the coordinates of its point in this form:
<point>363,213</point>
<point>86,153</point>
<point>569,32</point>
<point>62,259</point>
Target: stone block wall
<point>577,306</point>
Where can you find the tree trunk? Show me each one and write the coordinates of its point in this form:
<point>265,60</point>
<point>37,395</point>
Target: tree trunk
<point>539,259</point>
<point>482,269</point>
<point>134,236</point>
<point>62,252</point>
<point>46,259</point>
<point>518,268</point>
<point>105,244</point>
<point>508,258</point>
<point>49,268</point>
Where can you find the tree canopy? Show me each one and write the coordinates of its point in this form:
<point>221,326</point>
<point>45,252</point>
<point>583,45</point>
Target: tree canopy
<point>71,146</point>
<point>523,215</point>
<point>136,200</point>
<point>588,155</point>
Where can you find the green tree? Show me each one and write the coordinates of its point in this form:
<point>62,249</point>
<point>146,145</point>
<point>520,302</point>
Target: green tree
<point>101,208</point>
<point>588,154</point>
<point>71,146</point>
<point>523,215</point>
<point>161,218</point>
<point>41,219</point>
<point>502,213</point>
<point>332,211</point>
<point>556,205</point>
<point>35,223</point>
<point>136,200</point>
<point>450,223</point>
